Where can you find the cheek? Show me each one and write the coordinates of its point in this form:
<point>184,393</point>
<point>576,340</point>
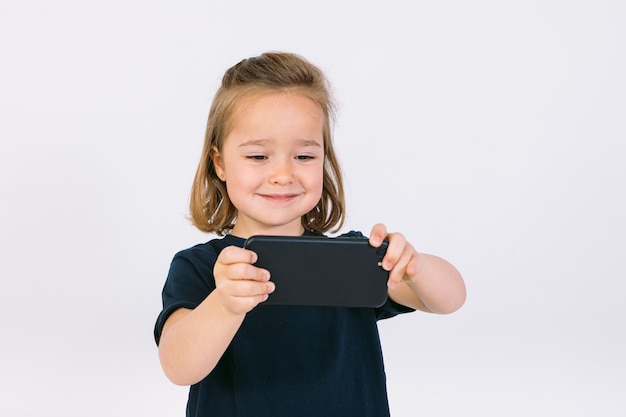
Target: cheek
<point>317,181</point>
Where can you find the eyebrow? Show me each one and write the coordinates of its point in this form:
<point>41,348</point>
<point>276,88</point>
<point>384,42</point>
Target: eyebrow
<point>261,142</point>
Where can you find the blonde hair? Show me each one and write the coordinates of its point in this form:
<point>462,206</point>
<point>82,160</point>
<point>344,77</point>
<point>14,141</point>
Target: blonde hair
<point>210,208</point>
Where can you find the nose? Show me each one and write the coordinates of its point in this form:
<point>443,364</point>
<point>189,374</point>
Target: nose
<point>282,173</point>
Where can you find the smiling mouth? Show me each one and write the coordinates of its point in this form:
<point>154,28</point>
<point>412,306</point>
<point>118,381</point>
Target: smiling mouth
<point>279,198</point>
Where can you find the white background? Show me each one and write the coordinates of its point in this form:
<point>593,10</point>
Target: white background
<point>490,133</point>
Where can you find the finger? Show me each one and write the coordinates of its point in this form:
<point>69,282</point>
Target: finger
<point>236,263</point>
<point>396,276</point>
<point>243,304</point>
<point>378,234</point>
<point>241,271</point>
<point>234,254</point>
<point>397,246</point>
<point>415,265</point>
<point>267,289</point>
<point>253,301</point>
<point>244,289</point>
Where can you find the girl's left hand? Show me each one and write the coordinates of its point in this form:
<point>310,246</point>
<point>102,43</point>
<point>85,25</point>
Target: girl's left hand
<point>402,260</point>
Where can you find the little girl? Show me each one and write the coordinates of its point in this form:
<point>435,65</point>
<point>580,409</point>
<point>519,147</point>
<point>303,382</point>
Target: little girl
<point>268,167</point>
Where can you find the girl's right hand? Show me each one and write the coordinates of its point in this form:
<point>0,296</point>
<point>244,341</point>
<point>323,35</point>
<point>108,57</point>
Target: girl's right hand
<point>241,286</point>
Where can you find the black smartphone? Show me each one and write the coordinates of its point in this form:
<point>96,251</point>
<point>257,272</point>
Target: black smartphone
<point>322,271</point>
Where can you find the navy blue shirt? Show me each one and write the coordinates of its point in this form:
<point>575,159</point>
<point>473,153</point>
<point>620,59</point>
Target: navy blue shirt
<point>284,360</point>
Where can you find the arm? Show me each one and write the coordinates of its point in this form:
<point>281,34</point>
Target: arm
<point>193,341</point>
<point>424,282</point>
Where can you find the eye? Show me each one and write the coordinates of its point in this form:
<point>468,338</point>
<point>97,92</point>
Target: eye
<point>304,157</point>
<point>256,157</point>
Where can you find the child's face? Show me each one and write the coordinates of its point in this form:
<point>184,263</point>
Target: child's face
<point>273,162</point>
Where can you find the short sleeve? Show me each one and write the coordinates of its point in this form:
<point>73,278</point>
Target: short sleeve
<point>189,281</point>
<point>391,309</point>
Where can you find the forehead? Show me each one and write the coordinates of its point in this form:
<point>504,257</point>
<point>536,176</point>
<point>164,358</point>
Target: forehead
<point>265,100</point>
<point>277,115</point>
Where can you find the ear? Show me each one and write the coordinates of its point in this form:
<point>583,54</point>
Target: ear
<point>218,163</point>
